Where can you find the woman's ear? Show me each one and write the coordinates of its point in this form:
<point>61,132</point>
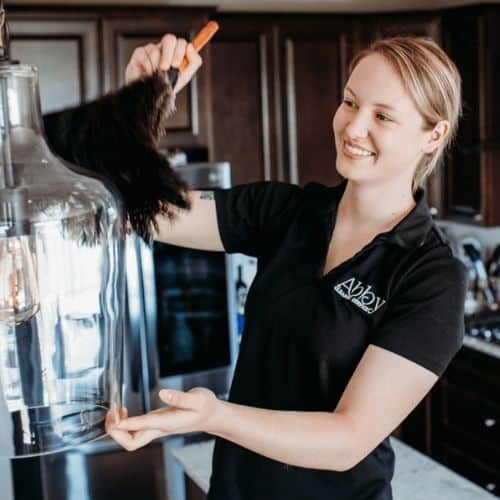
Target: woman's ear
<point>436,136</point>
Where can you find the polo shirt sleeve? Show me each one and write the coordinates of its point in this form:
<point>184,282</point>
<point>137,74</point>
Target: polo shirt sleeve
<point>425,318</point>
<point>253,218</point>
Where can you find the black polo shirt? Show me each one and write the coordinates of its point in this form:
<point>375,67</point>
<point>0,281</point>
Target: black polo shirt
<point>305,333</point>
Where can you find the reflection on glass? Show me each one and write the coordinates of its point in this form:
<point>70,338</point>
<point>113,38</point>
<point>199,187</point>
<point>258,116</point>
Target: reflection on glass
<point>19,298</point>
<point>192,309</point>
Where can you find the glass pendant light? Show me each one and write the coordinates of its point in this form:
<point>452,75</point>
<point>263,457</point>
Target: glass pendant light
<point>61,283</point>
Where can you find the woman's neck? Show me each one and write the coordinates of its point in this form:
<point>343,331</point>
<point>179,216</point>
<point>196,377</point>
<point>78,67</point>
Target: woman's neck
<point>375,207</point>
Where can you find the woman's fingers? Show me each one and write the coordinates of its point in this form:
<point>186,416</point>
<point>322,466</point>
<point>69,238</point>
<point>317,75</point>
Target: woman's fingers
<point>194,63</point>
<point>123,438</point>
<point>167,48</point>
<point>169,53</point>
<point>129,440</point>
<point>179,399</point>
<point>142,438</point>
<point>179,52</point>
<point>153,54</point>
<point>139,65</point>
<point>154,420</point>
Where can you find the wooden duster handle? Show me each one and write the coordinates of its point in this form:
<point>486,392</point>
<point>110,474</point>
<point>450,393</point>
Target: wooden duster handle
<point>200,40</point>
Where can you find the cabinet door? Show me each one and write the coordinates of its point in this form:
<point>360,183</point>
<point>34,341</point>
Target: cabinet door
<point>188,125</point>
<point>489,105</point>
<point>426,25</point>
<point>466,405</point>
<point>243,99</point>
<point>314,57</point>
<point>478,472</point>
<point>463,175</point>
<point>489,38</point>
<point>65,52</point>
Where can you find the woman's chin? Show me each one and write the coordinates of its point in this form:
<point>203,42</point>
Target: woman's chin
<point>350,171</point>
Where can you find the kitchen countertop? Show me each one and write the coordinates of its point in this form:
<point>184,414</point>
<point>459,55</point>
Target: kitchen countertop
<point>482,346</point>
<point>416,476</point>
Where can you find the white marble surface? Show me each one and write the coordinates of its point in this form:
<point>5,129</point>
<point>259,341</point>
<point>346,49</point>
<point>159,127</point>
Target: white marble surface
<point>416,477</point>
<point>482,345</point>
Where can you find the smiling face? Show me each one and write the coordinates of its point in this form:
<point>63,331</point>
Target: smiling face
<point>379,133</point>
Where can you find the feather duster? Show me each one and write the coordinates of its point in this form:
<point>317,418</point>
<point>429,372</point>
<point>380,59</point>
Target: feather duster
<point>116,137</point>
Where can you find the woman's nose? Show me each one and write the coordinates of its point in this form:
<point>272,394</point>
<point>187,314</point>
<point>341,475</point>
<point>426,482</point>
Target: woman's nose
<point>357,125</point>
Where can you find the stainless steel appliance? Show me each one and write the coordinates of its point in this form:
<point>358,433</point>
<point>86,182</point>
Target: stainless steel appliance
<point>190,305</point>
<point>181,332</point>
<point>190,313</point>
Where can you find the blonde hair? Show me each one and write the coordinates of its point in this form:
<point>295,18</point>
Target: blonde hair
<point>432,80</point>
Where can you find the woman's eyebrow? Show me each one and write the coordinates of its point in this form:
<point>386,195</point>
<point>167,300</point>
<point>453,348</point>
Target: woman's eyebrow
<point>377,104</point>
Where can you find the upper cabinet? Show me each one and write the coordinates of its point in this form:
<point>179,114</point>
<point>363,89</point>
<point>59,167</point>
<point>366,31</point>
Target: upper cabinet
<point>243,103</point>
<point>82,52</point>
<point>66,52</point>
<point>124,31</point>
<point>472,181</point>
<point>276,83</point>
<point>415,24</point>
<point>314,53</point>
<point>269,86</point>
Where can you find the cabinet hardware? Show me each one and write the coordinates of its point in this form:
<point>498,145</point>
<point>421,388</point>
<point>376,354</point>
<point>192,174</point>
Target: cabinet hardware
<point>490,422</point>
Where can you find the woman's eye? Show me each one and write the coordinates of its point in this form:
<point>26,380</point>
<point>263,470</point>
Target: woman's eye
<point>349,103</point>
<point>383,118</point>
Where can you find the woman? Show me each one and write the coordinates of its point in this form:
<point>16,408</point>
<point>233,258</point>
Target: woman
<point>357,306</point>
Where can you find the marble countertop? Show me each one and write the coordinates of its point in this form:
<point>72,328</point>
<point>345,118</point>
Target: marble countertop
<point>416,476</point>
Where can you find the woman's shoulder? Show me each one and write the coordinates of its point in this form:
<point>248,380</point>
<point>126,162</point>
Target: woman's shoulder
<point>434,263</point>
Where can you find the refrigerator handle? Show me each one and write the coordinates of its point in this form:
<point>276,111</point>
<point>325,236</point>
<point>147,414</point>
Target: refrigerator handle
<point>150,312</point>
<point>137,327</point>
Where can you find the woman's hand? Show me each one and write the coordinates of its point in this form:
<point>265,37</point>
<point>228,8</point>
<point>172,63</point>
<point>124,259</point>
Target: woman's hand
<point>162,56</point>
<point>192,411</point>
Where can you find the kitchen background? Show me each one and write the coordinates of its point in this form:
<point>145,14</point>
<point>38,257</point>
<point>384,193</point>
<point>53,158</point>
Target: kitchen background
<point>260,108</point>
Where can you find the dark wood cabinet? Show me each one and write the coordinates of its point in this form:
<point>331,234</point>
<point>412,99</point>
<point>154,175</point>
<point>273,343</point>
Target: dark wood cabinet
<point>65,50</point>
<point>276,83</point>
<point>458,423</point>
<point>465,425</point>
<point>243,102</point>
<point>471,468</point>
<point>82,52</point>
<point>314,54</point>
<point>266,94</point>
<point>414,24</point>
<point>472,39</point>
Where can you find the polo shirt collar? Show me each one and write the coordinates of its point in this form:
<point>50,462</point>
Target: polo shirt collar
<point>409,232</point>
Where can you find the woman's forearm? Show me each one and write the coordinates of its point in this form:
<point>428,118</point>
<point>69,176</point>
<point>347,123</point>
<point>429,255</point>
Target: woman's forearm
<point>317,440</point>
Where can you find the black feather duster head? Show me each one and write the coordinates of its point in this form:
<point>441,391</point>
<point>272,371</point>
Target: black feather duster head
<point>116,136</point>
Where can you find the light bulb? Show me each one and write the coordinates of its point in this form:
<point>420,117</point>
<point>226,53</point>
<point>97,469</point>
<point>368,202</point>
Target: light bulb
<point>19,296</point>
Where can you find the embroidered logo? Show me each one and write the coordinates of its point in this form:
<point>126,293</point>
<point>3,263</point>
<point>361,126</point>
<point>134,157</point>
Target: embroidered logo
<point>360,295</point>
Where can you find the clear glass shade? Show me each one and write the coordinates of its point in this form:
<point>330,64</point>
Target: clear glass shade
<point>61,286</point>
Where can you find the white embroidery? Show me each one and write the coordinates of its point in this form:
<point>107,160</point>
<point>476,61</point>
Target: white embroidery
<point>360,295</point>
